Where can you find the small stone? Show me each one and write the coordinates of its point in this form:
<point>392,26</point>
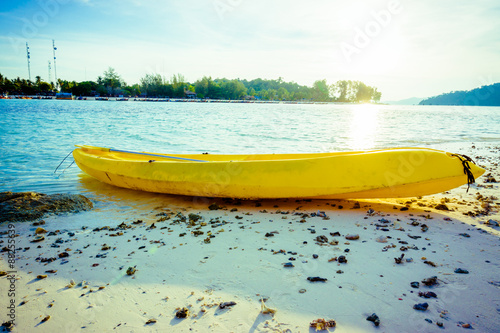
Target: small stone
<point>492,223</point>
<point>430,281</point>
<point>427,294</point>
<point>131,270</point>
<point>8,325</point>
<point>322,239</point>
<point>421,306</point>
<point>288,265</point>
<point>195,217</point>
<point>315,256</point>
<point>45,319</point>
<point>428,320</point>
<point>151,321</point>
<point>399,260</point>
<point>461,271</point>
<point>63,255</point>
<point>182,313</point>
<point>342,260</point>
<point>224,305</point>
<point>430,263</point>
<point>374,318</point>
<point>41,277</point>
<point>40,230</point>
<point>352,237</point>
<point>441,207</point>
<point>415,284</point>
<point>316,279</point>
<point>71,284</point>
<point>214,206</point>
<point>302,291</point>
<point>321,213</point>
<point>38,238</point>
<point>322,324</point>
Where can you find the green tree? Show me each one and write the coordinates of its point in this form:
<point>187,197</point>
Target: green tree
<point>151,84</point>
<point>44,87</point>
<point>363,93</point>
<point>321,91</point>
<point>340,88</point>
<point>207,88</point>
<point>271,94</point>
<point>84,88</point>
<point>178,85</point>
<point>233,89</point>
<point>111,79</point>
<point>376,95</point>
<point>283,94</point>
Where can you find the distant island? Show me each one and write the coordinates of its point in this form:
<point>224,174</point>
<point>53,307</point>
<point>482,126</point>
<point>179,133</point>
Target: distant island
<point>483,96</point>
<point>110,84</point>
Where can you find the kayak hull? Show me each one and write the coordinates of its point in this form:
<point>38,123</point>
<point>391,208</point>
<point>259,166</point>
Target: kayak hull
<point>390,173</point>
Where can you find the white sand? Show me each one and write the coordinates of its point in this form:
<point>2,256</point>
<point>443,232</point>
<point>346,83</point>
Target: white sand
<point>241,264</point>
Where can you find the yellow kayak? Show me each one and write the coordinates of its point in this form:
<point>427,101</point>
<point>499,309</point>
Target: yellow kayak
<point>389,173</point>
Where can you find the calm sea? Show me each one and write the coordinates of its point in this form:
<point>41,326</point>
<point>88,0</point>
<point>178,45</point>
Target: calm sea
<point>36,135</point>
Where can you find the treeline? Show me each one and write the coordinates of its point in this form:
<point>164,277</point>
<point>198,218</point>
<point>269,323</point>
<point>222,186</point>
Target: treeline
<point>483,96</point>
<point>157,86</point>
<point>20,86</point>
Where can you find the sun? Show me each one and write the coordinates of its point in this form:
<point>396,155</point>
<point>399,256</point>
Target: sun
<point>382,55</point>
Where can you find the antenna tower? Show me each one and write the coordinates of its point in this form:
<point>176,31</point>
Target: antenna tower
<point>28,58</point>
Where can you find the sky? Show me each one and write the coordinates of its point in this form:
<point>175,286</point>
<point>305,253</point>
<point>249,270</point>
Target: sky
<point>404,48</point>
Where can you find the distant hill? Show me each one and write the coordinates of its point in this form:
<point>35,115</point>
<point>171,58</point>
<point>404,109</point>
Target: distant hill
<point>484,96</point>
<point>407,101</point>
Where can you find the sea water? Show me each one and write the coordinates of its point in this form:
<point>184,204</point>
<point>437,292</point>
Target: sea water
<point>36,135</point>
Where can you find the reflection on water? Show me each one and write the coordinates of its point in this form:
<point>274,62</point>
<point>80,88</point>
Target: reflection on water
<point>364,126</point>
<point>104,194</point>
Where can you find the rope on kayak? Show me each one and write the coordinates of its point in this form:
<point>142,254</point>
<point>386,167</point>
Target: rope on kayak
<point>157,155</point>
<point>63,162</point>
<point>467,170</point>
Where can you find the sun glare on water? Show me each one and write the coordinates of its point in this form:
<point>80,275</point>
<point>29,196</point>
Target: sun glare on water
<point>363,126</point>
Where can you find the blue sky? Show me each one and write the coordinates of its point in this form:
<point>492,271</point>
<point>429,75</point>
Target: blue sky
<point>405,48</point>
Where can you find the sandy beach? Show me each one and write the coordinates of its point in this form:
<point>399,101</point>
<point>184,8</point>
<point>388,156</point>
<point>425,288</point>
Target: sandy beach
<point>141,262</point>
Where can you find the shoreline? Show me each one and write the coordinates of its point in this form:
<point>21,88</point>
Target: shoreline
<point>177,100</point>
